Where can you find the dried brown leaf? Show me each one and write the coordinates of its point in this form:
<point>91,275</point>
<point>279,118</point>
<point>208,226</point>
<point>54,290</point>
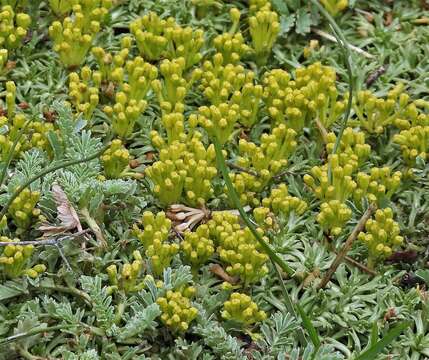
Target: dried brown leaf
<point>221,273</point>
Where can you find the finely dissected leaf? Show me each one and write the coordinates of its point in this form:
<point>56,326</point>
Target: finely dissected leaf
<point>142,320</point>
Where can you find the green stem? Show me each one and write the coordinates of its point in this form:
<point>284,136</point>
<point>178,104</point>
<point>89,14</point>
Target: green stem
<point>36,331</point>
<point>47,171</point>
<point>345,48</point>
<point>236,201</point>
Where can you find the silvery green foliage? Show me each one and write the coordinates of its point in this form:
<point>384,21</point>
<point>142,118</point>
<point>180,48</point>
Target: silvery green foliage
<point>142,320</point>
<point>87,355</point>
<point>277,331</point>
<point>223,345</point>
<point>102,302</point>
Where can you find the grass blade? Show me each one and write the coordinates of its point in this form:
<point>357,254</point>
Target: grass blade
<point>379,346</point>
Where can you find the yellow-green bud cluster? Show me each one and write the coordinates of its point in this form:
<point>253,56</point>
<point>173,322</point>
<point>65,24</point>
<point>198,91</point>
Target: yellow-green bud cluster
<point>248,99</point>
<point>93,10</point>
<point>124,113</point>
<point>263,217</point>
<point>73,38</point>
<point>256,5</point>
<point>127,279</point>
<point>22,210</point>
<point>374,114</point>
<point>115,159</point>
<point>266,160</point>
<point>184,42</point>
<point>352,149</point>
<point>13,27</point>
<point>197,247</point>
<point>221,79</point>
<point>135,78</point>
<point>62,7</point>
<point>231,46</point>
<point>177,310</point>
<point>247,187</point>
<point>154,237</point>
<point>334,7</point>
<point>414,142</point>
<point>340,187</point>
<point>242,309</point>
<point>34,135</point>
<point>241,252</point>
<point>333,216</point>
<point>281,203</point>
<point>221,225</point>
<point>217,120</point>
<point>172,89</point>
<point>264,27</point>
<point>154,228</point>
<point>381,236</point>
<point>108,63</point>
<point>15,260</point>
<point>379,185</point>
<point>271,155</point>
<point>184,171</point>
<point>312,94</point>
<point>84,91</point>
<point>161,254</point>
<point>149,32</point>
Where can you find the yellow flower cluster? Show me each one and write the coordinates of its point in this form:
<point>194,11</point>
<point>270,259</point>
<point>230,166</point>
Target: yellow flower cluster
<point>312,94</point>
<point>177,310</point>
<point>74,36</point>
<point>184,171</point>
<point>242,309</point>
<point>334,7</point>
<point>414,143</point>
<point>127,279</point>
<point>333,216</point>
<point>34,135</point>
<point>231,46</point>
<point>158,37</point>
<point>221,79</point>
<point>340,187</point>
<point>13,27</point>
<point>381,236</point>
<point>352,149</point>
<point>115,159</point>
<point>154,238</point>
<point>173,87</point>
<point>84,91</point>
<point>124,113</point>
<point>62,7</point>
<point>241,252</point>
<point>264,26</point>
<point>281,203</point>
<point>266,160</point>
<point>15,260</point>
<point>22,209</point>
<point>108,63</point>
<point>380,184</point>
<point>197,247</point>
<point>154,228</point>
<point>149,32</point>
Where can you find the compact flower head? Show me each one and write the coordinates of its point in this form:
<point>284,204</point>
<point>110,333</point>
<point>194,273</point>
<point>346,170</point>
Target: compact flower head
<point>15,260</point>
<point>242,309</point>
<point>381,236</point>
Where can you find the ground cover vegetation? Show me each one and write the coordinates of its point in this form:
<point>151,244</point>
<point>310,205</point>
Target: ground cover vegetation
<point>207,179</point>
